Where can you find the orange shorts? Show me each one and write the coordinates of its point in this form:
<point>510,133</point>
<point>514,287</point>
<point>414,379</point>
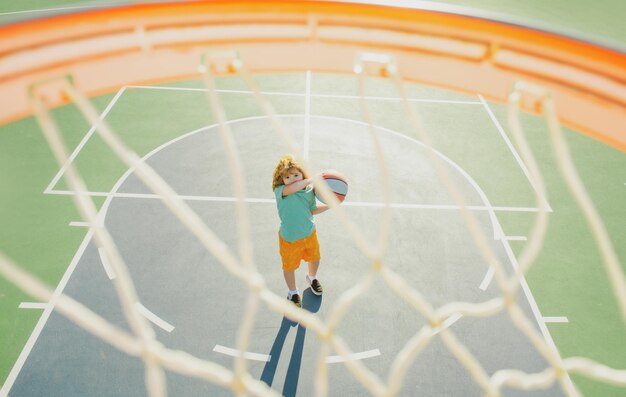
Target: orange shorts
<point>307,249</point>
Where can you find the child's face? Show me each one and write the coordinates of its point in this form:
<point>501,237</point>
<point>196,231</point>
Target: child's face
<point>291,176</point>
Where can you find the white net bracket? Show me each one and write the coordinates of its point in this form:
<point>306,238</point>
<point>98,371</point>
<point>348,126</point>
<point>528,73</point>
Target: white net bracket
<point>375,64</point>
<point>220,62</point>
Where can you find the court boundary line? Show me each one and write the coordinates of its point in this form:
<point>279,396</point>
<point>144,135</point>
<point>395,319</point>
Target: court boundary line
<point>298,94</point>
<point>509,144</point>
<point>555,319</point>
<point>43,319</point>
<point>534,307</point>
<point>47,10</point>
<point>307,116</point>
<point>83,142</point>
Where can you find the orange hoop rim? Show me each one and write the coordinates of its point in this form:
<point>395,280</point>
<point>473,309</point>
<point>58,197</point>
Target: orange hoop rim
<point>467,53</point>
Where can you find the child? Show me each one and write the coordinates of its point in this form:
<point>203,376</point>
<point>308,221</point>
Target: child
<point>297,237</point>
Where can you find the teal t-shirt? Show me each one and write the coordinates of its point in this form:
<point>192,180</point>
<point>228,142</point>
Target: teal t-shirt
<point>294,210</point>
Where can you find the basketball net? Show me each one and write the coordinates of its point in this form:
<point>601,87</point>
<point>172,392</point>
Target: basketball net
<point>141,340</point>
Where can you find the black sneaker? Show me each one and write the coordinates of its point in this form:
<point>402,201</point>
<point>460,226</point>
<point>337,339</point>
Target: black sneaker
<point>316,286</point>
<point>295,298</point>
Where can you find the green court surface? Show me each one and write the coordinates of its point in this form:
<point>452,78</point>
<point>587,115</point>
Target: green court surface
<point>567,280</point>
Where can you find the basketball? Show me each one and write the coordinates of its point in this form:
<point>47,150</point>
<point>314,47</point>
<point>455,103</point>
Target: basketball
<point>337,183</point>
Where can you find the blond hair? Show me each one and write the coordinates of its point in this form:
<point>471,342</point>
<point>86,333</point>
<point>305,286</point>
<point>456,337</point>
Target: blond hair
<point>285,164</point>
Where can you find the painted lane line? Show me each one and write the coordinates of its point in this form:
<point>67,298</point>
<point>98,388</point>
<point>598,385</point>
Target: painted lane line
<point>83,142</point>
<point>441,206</point>
<point>446,324</point>
<point>487,280</point>
<point>329,96</point>
<point>73,193</point>
<point>247,355</point>
<point>511,148</point>
<point>33,305</point>
<point>273,201</point>
<point>516,238</point>
<point>105,263</point>
<point>558,319</point>
<point>156,196</point>
<point>397,99</point>
<point>353,357</point>
<point>79,224</point>
<point>451,320</point>
<point>307,116</point>
<point>221,91</point>
<point>156,320</point>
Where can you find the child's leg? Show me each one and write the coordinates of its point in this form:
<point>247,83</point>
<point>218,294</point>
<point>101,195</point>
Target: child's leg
<point>313,266</point>
<point>290,279</point>
<point>312,254</point>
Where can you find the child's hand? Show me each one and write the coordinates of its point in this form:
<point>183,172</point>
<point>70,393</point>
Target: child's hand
<point>318,177</point>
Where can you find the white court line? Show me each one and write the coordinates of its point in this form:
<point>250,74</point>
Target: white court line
<point>79,224</point>
<point>511,148</point>
<point>487,280</point>
<point>57,9</point>
<point>273,201</point>
<point>33,305</point>
<point>222,91</point>
<point>156,196</point>
<point>82,143</point>
<point>397,99</point>
<point>105,263</point>
<point>441,206</point>
<point>156,320</point>
<point>516,238</point>
<point>353,357</point>
<point>32,339</point>
<point>535,309</point>
<point>330,96</point>
<point>307,116</point>
<point>247,355</point>
<point>558,319</point>
<point>447,323</point>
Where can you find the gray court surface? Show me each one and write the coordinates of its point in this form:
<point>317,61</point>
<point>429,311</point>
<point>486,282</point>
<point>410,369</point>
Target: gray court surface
<point>185,286</point>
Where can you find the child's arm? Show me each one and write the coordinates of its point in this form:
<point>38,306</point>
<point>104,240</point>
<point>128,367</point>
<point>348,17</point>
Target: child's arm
<point>296,186</point>
<point>320,208</point>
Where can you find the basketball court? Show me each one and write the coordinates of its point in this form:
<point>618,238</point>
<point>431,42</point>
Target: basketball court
<point>197,306</point>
